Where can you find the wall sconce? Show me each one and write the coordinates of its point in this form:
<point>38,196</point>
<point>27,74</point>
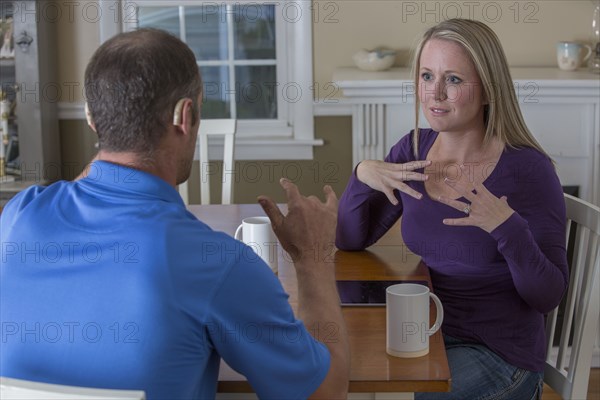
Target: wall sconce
<point>24,41</point>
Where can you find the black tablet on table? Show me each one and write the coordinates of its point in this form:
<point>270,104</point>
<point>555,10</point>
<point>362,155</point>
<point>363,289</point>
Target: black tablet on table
<point>367,293</point>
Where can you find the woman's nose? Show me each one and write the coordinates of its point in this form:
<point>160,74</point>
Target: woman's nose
<point>440,91</point>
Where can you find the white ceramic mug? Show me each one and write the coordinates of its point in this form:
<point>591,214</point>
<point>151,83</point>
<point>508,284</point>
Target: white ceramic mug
<point>257,233</point>
<point>568,55</point>
<point>407,311</point>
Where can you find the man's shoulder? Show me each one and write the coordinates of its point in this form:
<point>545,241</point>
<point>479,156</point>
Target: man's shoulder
<point>27,198</point>
<point>27,195</point>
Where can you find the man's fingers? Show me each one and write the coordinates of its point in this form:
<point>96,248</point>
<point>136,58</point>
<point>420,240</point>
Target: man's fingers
<point>330,196</point>
<point>291,191</point>
<point>272,211</point>
<point>314,199</point>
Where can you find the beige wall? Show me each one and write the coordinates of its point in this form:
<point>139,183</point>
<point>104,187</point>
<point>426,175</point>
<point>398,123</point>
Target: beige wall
<point>529,36</point>
<point>77,32</point>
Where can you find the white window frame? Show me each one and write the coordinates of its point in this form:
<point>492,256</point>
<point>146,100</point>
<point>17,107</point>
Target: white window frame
<point>291,135</point>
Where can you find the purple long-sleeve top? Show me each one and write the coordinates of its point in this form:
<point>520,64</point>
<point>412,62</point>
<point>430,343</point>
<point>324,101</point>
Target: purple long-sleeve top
<point>495,287</point>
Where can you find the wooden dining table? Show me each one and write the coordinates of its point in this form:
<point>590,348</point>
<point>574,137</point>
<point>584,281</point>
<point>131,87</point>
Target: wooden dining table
<point>372,369</point>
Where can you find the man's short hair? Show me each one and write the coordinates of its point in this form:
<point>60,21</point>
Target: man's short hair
<point>132,85</point>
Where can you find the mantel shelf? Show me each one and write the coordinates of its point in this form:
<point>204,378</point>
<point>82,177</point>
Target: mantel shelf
<point>550,81</point>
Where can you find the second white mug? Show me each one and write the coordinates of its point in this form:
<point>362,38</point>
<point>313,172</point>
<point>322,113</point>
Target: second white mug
<point>257,233</point>
<point>407,311</point>
<point>568,55</point>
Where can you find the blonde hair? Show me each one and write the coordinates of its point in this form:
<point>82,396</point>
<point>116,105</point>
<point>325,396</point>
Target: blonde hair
<point>502,115</point>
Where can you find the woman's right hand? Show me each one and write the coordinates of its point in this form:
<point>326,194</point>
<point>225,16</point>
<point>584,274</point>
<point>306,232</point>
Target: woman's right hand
<point>386,177</point>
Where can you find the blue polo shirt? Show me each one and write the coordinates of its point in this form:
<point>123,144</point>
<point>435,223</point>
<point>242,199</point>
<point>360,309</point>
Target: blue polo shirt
<point>110,282</point>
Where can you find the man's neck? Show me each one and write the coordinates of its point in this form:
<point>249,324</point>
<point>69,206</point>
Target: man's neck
<point>155,164</point>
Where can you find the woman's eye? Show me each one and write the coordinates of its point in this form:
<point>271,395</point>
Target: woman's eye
<point>454,79</point>
<point>426,76</point>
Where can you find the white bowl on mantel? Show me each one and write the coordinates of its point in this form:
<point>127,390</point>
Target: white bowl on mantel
<point>374,60</point>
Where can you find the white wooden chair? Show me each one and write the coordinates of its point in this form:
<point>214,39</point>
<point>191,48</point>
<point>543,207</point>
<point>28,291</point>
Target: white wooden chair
<point>567,368</point>
<point>225,128</point>
<point>18,389</point>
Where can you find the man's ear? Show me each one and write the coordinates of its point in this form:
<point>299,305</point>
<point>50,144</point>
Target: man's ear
<point>88,117</point>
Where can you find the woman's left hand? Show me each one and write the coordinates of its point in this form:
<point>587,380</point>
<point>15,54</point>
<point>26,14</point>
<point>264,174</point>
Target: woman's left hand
<point>483,208</point>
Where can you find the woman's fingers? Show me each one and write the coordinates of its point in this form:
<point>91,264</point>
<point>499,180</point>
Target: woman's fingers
<point>458,205</point>
<point>410,191</point>
<point>412,165</point>
<point>398,184</point>
<point>465,190</point>
<point>483,210</point>
<point>388,177</point>
<point>413,176</point>
<point>391,197</point>
<point>457,222</point>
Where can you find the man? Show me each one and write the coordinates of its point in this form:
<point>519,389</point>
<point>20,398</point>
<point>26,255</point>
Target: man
<point>106,281</point>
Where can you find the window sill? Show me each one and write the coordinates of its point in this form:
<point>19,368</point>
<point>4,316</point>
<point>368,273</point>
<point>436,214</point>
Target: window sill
<point>264,149</point>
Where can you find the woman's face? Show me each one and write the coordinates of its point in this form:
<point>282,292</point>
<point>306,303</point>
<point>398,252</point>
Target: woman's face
<point>450,89</point>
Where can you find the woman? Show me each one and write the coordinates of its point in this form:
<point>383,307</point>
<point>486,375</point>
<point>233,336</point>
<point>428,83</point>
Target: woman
<point>481,204</point>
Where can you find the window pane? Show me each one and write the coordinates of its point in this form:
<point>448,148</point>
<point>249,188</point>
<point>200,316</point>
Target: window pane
<point>206,31</point>
<point>165,18</point>
<point>216,92</point>
<point>254,31</point>
<point>256,92</point>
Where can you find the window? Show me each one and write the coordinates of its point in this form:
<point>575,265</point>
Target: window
<point>256,63</point>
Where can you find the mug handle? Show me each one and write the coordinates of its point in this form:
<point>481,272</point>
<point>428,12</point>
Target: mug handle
<point>589,52</point>
<point>237,235</point>
<point>439,315</point>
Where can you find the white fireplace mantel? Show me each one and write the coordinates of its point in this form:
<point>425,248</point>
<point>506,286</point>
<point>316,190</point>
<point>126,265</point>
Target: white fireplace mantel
<point>562,110</point>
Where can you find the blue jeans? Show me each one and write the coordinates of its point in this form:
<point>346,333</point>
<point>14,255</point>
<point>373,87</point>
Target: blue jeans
<point>479,374</point>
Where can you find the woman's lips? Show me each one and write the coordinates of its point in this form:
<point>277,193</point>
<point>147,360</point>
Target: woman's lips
<point>438,111</point>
